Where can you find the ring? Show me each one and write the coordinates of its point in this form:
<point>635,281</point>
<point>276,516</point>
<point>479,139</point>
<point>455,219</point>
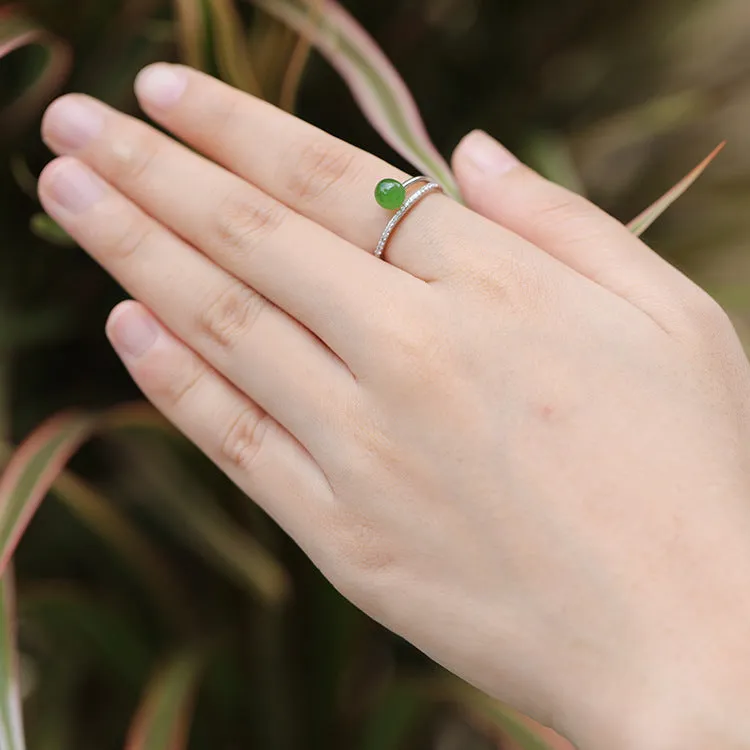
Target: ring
<point>391,194</point>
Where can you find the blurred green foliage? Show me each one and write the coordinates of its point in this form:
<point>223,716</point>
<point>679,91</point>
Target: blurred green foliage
<point>594,93</point>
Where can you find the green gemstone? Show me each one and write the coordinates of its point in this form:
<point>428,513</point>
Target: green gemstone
<point>390,194</point>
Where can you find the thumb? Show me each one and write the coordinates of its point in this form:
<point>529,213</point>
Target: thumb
<point>495,184</point>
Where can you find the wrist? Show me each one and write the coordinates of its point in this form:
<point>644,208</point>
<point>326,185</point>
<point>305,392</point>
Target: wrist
<point>683,716</point>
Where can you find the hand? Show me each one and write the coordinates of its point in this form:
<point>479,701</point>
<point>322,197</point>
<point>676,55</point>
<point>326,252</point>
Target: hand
<point>521,446</point>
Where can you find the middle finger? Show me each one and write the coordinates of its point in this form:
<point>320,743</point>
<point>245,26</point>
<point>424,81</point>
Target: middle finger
<point>332,288</point>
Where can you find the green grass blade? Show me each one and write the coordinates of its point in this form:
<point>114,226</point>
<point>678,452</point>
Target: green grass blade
<point>642,222</point>
<point>163,719</point>
<point>11,723</point>
<point>378,88</point>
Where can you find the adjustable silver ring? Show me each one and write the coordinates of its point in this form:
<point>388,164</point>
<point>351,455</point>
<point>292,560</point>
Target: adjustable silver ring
<point>392,195</point>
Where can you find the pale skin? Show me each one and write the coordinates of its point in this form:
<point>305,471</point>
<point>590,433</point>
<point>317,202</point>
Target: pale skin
<point>521,442</point>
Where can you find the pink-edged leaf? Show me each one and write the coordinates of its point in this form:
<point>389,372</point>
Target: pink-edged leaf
<point>164,716</point>
<point>40,459</point>
<point>642,222</point>
<point>381,93</point>
<point>31,471</point>
<point>16,32</point>
<point>11,722</point>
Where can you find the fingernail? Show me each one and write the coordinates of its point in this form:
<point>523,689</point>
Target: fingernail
<point>73,186</point>
<point>487,155</point>
<point>131,330</point>
<point>72,122</point>
<point>161,85</point>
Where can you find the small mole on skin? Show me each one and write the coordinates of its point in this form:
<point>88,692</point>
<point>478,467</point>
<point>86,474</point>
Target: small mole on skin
<point>547,411</point>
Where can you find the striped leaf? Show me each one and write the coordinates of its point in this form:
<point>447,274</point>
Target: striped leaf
<point>163,719</point>
<point>642,222</point>
<point>31,471</point>
<point>39,461</point>
<point>381,93</point>
<point>17,32</point>
<point>11,724</point>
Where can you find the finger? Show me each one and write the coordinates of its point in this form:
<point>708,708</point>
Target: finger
<point>311,273</point>
<point>257,453</point>
<point>568,227</point>
<point>263,351</point>
<point>318,175</point>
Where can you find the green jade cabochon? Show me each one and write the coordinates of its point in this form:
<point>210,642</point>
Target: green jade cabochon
<point>390,194</point>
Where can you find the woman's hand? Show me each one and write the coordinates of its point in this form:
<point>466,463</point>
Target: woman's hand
<point>522,446</point>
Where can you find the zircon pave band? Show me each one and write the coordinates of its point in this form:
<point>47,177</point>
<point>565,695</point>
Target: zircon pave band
<point>391,194</point>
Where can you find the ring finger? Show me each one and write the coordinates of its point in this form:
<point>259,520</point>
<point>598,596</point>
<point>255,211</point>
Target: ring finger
<point>316,174</point>
<point>266,353</point>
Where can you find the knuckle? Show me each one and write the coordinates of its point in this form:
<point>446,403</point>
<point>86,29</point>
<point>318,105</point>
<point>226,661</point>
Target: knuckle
<point>243,223</point>
<point>135,155</point>
<point>705,316</point>
<point>230,315</point>
<point>244,440</point>
<point>136,235</point>
<point>520,285</point>
<point>417,350</point>
<point>562,210</point>
<point>361,549</point>
<point>177,391</point>
<point>224,117</point>
<point>363,561</point>
<point>319,168</point>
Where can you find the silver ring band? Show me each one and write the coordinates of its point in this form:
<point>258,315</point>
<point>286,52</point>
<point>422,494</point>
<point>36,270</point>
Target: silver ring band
<point>408,205</point>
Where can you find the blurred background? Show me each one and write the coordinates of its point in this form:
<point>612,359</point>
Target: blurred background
<point>143,550</point>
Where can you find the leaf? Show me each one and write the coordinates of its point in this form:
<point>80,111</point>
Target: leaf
<point>191,511</point>
<point>80,628</point>
<point>11,723</point>
<point>163,719</point>
<point>232,55</point>
<point>381,93</point>
<point>272,46</point>
<point>38,462</point>
<point>487,711</point>
<point>292,80</point>
<point>44,79</point>
<point>393,719</point>
<point>642,222</point>
<point>192,32</point>
<point>126,539</point>
<point>48,229</point>
<point>31,471</point>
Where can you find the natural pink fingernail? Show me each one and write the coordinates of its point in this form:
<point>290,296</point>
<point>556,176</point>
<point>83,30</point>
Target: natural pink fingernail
<point>71,122</point>
<point>161,85</point>
<point>131,330</point>
<point>487,155</point>
<point>72,185</point>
